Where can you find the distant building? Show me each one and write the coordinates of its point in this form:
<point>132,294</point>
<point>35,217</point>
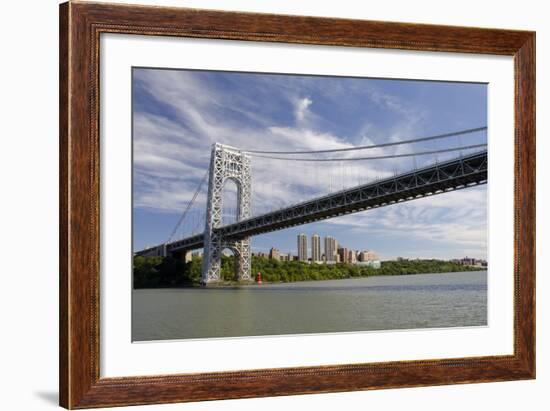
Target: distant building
<point>370,263</point>
<point>274,254</point>
<point>331,249</point>
<point>472,262</point>
<point>367,255</point>
<point>302,247</point>
<point>468,261</point>
<point>343,253</point>
<point>315,248</point>
<point>285,257</point>
<point>352,257</point>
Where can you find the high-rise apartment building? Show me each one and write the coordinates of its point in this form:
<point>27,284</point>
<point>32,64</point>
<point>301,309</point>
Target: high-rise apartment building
<point>302,247</point>
<point>315,248</point>
<point>352,259</point>
<point>331,248</point>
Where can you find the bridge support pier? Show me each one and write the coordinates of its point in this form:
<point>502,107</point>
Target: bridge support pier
<point>226,163</point>
<point>185,256</point>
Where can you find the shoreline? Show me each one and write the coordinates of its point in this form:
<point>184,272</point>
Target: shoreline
<point>232,284</point>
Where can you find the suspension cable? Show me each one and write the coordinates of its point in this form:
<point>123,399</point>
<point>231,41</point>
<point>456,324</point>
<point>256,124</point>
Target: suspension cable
<point>188,207</point>
<point>396,143</point>
<point>421,153</point>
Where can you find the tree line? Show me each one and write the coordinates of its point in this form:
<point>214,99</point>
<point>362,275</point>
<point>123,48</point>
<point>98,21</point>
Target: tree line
<point>159,272</point>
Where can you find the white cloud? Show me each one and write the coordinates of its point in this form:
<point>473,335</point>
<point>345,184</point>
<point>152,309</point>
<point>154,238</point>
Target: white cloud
<point>455,220</point>
<point>301,109</point>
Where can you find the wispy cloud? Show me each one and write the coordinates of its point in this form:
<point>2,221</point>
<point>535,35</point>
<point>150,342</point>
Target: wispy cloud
<point>302,109</point>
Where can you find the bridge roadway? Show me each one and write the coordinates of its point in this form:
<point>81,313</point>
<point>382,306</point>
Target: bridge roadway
<point>437,178</point>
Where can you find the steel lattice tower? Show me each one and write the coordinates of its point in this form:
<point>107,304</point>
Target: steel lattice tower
<point>226,163</point>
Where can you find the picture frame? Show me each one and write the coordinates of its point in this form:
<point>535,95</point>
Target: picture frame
<point>81,25</point>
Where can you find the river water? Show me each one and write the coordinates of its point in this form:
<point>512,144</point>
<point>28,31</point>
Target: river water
<point>359,304</point>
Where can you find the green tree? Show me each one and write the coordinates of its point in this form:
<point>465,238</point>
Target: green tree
<point>172,271</point>
<point>145,271</point>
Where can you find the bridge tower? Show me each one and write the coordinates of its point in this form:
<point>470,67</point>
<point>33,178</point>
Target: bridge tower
<point>226,163</point>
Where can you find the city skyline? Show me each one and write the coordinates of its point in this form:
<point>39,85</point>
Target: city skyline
<point>333,252</point>
<point>329,252</point>
<point>343,254</point>
<point>178,114</point>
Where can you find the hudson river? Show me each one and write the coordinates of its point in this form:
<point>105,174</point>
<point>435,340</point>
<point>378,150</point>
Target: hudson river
<point>359,304</point>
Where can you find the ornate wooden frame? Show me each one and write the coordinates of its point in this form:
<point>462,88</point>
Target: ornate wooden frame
<point>80,27</point>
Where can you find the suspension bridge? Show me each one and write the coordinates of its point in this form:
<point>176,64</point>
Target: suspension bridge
<point>467,169</point>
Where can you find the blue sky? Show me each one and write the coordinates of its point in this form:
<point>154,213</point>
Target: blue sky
<point>179,114</point>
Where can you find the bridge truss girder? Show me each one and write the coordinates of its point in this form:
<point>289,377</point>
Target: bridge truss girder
<point>438,178</point>
<point>448,176</point>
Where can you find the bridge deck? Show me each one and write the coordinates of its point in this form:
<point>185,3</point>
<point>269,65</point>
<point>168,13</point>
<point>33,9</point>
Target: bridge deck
<point>435,179</point>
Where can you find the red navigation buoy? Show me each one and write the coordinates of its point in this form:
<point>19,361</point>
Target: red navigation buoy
<point>258,278</point>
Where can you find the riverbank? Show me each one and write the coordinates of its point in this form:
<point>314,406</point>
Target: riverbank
<point>167,272</point>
